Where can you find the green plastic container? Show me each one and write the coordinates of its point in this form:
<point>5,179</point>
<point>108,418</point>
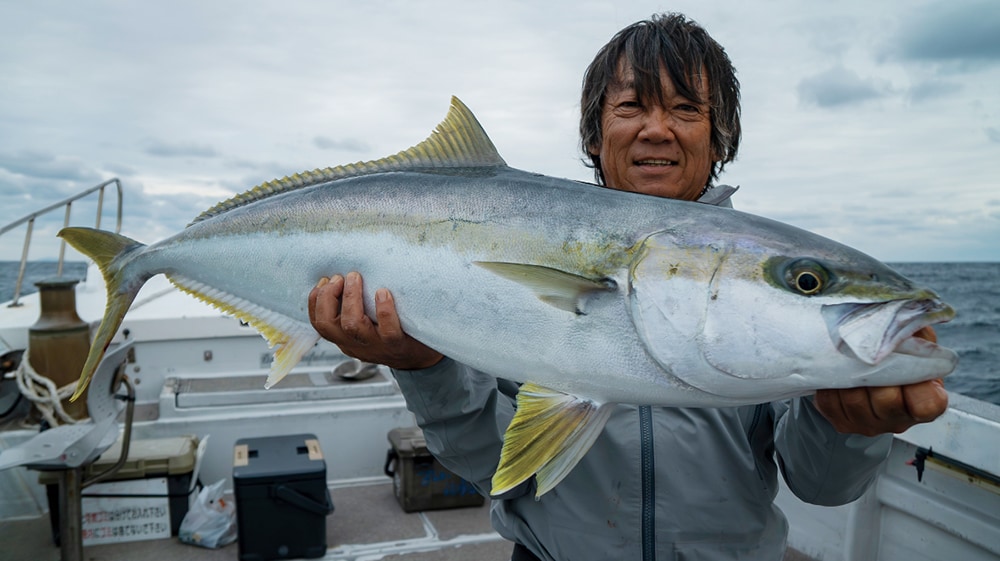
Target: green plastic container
<point>419,481</point>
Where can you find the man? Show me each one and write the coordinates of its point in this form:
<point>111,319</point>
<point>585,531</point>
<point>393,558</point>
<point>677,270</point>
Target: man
<point>660,116</point>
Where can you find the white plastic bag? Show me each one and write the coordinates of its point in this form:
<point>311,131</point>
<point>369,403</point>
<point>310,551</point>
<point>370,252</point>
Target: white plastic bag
<point>211,520</point>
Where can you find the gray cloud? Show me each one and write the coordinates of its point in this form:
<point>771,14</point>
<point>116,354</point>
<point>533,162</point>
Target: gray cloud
<point>45,165</point>
<point>836,87</point>
<point>951,32</point>
<point>231,111</point>
<point>346,144</point>
<point>150,217</point>
<point>179,150</point>
<point>121,169</point>
<point>239,163</point>
<point>933,89</point>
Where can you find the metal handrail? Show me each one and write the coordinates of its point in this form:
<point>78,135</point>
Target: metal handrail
<point>68,204</point>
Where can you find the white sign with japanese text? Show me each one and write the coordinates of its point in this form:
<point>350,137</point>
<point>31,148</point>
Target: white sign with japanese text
<point>139,511</point>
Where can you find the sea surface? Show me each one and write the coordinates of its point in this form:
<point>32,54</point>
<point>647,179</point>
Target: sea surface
<point>34,271</point>
<point>973,289</point>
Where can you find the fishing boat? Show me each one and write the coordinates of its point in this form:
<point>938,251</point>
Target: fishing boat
<point>197,374</point>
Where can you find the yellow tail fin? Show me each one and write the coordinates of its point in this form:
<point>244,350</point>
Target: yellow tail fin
<point>106,249</point>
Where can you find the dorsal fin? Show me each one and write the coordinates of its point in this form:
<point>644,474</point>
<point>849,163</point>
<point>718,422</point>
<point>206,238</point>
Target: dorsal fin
<point>459,141</point>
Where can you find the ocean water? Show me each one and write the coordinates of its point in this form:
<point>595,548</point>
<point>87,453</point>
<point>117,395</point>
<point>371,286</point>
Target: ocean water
<point>973,289</point>
<point>34,271</point>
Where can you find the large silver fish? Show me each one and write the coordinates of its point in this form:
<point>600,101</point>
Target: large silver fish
<point>590,296</point>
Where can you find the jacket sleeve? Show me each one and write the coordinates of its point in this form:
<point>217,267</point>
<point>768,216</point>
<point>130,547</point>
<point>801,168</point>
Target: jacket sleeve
<point>820,465</point>
<point>463,413</point>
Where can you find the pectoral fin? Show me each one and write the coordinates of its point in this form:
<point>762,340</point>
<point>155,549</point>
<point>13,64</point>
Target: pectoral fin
<point>550,432</point>
<point>563,290</point>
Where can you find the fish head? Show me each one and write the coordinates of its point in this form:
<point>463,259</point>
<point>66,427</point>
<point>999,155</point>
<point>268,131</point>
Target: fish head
<point>777,312</point>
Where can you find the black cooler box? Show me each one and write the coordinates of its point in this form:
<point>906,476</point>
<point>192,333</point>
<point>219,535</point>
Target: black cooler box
<point>279,483</point>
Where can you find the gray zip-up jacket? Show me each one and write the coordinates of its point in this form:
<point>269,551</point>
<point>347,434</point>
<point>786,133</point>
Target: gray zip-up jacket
<point>659,483</point>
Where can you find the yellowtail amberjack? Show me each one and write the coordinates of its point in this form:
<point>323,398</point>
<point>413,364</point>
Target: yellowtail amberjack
<point>587,295</point>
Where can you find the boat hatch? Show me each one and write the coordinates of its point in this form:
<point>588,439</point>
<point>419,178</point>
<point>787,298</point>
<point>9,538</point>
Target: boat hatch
<point>310,385</point>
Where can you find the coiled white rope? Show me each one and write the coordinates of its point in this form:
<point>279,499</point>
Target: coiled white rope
<point>44,394</point>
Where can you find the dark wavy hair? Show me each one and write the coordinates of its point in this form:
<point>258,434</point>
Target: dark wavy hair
<point>686,51</point>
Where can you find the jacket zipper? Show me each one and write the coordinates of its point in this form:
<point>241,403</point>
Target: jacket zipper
<point>757,414</point>
<point>755,421</point>
<point>648,484</point>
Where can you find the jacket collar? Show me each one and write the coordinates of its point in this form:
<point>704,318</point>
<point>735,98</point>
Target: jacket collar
<point>718,195</point>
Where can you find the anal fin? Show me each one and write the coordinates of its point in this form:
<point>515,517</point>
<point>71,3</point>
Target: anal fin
<point>291,339</point>
<point>288,353</point>
<point>550,433</point>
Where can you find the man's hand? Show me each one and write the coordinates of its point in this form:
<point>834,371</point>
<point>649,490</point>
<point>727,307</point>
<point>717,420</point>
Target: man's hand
<point>337,312</point>
<point>877,410</point>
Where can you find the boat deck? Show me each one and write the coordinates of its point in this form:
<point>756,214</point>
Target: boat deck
<point>368,524</point>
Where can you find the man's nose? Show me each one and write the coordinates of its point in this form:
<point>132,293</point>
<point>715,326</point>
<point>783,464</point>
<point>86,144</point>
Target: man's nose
<point>657,125</point>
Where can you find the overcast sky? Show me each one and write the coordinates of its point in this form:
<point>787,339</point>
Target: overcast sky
<point>876,123</point>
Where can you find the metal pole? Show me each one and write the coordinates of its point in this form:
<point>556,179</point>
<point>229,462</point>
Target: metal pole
<point>100,207</point>
<point>62,244</point>
<point>30,220</point>
<point>24,263</point>
<point>71,521</point>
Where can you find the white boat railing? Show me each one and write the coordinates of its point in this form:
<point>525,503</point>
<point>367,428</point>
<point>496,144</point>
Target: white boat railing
<point>67,204</point>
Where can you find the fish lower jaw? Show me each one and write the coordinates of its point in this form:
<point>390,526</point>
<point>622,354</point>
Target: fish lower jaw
<point>918,347</point>
<point>906,362</point>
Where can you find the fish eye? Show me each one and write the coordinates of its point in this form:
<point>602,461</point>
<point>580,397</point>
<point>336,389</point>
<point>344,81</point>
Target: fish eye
<point>806,277</point>
<point>808,283</point>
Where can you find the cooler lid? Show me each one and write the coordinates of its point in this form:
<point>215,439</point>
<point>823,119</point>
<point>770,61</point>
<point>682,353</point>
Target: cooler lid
<point>408,441</point>
<point>147,457</point>
<point>278,457</point>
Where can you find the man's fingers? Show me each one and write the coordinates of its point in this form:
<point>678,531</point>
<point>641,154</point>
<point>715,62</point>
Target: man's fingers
<point>313,296</point>
<point>927,401</point>
<point>848,410</point>
<point>353,320</point>
<point>388,320</point>
<point>324,306</point>
<point>830,404</point>
<point>857,406</point>
<point>878,410</point>
<point>887,404</point>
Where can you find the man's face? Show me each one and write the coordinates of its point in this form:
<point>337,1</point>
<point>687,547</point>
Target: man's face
<point>660,148</point>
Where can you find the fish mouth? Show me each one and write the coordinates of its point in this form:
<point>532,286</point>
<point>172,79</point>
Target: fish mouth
<point>872,332</point>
